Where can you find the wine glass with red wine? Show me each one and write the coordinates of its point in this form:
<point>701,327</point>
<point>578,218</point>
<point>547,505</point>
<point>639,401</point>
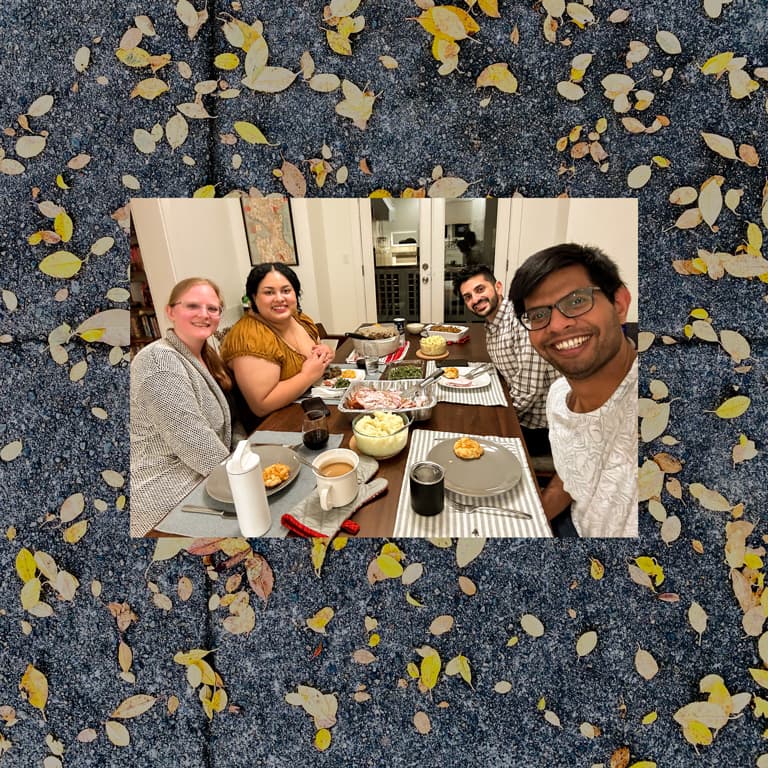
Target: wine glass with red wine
<point>315,430</point>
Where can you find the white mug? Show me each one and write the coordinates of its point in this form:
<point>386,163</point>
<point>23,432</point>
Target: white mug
<point>341,489</point>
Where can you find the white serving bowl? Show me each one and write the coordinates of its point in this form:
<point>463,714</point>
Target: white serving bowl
<point>414,327</point>
<point>386,443</point>
<point>463,331</point>
<point>383,346</point>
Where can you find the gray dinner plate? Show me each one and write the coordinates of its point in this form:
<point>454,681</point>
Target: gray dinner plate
<point>217,484</point>
<point>495,472</point>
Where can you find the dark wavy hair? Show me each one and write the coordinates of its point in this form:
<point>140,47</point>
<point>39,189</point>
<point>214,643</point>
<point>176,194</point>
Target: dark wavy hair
<point>260,271</point>
<point>603,272</point>
<point>472,270</point>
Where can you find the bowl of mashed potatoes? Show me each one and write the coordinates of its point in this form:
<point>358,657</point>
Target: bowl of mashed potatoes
<point>381,434</point>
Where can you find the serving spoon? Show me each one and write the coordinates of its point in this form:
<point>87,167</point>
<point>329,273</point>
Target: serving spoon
<point>412,390</point>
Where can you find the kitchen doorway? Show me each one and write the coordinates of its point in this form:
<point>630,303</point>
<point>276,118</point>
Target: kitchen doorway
<point>419,245</point>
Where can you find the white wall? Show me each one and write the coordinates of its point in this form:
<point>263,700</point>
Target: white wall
<point>182,238</point>
<point>186,237</point>
<point>609,223</point>
<point>331,242</point>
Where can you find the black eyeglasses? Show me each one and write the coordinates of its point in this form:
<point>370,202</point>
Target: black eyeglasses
<point>574,304</point>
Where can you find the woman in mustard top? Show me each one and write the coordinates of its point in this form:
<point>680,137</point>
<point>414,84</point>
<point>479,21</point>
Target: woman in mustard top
<point>274,350</point>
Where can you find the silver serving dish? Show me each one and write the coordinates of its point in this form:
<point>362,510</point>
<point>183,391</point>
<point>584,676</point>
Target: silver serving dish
<point>384,346</point>
<point>419,413</point>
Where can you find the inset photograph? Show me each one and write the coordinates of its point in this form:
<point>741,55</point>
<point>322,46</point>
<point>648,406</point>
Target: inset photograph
<point>384,367</point>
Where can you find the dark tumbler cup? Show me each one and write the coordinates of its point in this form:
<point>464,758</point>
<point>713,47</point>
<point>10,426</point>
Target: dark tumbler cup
<point>427,488</point>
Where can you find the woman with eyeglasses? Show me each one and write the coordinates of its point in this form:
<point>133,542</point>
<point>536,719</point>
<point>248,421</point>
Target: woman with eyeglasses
<point>274,350</point>
<point>181,426</point>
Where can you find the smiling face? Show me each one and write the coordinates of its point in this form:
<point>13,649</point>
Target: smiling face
<point>481,296</point>
<point>579,347</point>
<point>191,317</point>
<point>275,298</point>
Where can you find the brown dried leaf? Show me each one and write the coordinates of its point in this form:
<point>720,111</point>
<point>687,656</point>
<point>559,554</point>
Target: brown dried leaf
<point>697,618</point>
<point>467,586</point>
<point>645,664</point>
<point>710,200</point>
<point>748,155</point>
<point>117,733</point>
<point>620,758</point>
<point>124,656</point>
<point>441,625</point>
<point>753,621</point>
<point>668,463</point>
<point>689,219</point>
<point>683,195</point>
<point>735,345</point>
<point>720,144</point>
<point>639,576</point>
<point>293,180</point>
<point>260,576</point>
<point>448,186</point>
<point>422,723</point>
<point>468,549</point>
<point>363,656</point>
<point>134,706</point>
<point>671,529</point>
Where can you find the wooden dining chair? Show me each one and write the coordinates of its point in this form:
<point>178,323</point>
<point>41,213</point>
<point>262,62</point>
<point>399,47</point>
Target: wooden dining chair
<point>544,469</point>
<point>325,335</point>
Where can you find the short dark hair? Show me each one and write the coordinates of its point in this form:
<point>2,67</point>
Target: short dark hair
<point>260,271</point>
<point>472,270</point>
<point>603,272</point>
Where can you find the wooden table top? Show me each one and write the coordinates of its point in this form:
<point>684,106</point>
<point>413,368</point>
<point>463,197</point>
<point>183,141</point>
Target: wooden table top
<point>377,518</point>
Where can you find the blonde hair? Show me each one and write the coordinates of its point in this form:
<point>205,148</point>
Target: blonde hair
<point>211,357</point>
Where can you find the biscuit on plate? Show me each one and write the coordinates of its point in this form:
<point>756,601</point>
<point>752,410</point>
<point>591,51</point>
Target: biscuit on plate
<point>275,474</point>
<point>467,448</point>
<point>451,373</point>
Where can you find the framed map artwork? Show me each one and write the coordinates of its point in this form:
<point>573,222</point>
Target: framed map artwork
<point>269,230</point>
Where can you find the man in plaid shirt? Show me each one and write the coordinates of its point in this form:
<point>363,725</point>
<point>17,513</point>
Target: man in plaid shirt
<point>528,375</point>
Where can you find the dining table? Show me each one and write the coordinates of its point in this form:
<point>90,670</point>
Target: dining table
<point>495,423</point>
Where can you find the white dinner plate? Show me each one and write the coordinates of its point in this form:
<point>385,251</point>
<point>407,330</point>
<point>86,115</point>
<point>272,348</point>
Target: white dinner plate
<point>217,484</point>
<point>483,380</point>
<point>494,473</point>
<point>332,393</point>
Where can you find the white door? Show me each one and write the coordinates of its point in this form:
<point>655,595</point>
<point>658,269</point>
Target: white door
<point>416,280</point>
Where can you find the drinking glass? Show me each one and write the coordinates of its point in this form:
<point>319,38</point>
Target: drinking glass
<point>314,430</point>
<point>427,484</point>
<point>371,355</point>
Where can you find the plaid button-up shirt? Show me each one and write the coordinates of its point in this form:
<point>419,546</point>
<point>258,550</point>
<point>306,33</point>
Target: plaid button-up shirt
<point>528,375</point>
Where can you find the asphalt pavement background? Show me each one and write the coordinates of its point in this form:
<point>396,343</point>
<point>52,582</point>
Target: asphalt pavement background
<point>559,709</point>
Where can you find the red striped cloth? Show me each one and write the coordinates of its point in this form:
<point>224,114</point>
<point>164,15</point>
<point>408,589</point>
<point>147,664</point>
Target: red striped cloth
<point>398,353</point>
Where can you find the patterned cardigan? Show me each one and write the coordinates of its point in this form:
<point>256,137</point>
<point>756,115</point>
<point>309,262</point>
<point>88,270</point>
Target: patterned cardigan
<point>180,429</point>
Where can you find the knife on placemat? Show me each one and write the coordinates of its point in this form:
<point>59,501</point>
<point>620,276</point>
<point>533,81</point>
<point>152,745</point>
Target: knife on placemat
<point>208,510</point>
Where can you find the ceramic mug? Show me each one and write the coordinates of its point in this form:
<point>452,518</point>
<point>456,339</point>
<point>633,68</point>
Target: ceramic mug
<point>336,474</point>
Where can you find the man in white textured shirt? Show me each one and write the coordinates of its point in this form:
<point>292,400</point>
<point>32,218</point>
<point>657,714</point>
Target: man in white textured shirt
<point>528,376</point>
<point>573,302</point>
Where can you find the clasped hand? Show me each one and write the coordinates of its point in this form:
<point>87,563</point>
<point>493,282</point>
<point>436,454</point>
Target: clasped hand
<point>323,353</point>
<point>319,357</point>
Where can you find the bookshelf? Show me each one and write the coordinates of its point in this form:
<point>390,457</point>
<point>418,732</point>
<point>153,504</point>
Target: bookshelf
<point>144,326</point>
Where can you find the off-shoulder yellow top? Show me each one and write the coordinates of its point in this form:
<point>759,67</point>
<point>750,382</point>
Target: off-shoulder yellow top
<point>251,336</point>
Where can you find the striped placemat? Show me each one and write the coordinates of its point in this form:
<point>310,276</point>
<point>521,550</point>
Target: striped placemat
<point>451,523</point>
<point>493,394</point>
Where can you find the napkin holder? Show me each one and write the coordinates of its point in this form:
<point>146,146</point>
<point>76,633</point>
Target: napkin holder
<point>248,493</point>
